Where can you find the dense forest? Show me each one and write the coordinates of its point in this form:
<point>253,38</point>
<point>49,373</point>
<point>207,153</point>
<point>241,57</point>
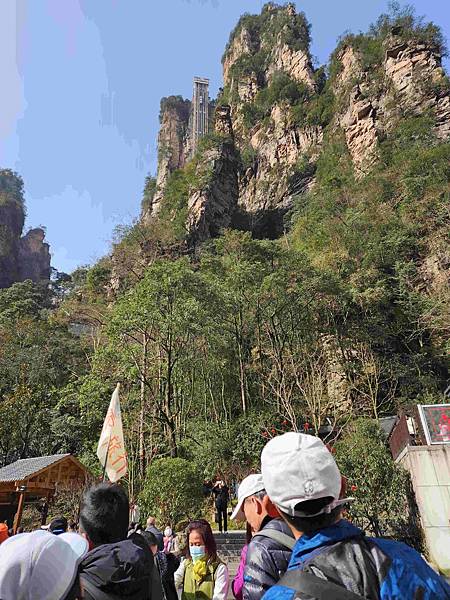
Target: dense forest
<point>322,308</point>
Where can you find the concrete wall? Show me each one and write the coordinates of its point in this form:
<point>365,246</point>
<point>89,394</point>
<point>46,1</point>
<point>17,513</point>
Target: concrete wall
<point>430,472</point>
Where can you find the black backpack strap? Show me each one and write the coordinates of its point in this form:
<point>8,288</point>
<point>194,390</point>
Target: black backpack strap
<point>314,586</point>
<point>278,536</point>
<point>93,591</point>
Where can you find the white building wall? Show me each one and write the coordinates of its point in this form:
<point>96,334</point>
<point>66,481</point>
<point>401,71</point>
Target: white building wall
<point>430,472</point>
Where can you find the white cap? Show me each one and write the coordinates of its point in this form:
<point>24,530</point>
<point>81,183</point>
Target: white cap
<point>249,486</point>
<point>39,565</point>
<point>297,467</point>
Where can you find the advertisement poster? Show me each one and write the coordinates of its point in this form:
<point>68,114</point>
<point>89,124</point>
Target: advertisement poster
<point>436,422</point>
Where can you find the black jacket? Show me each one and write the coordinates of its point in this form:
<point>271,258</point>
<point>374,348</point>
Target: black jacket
<point>267,560</point>
<point>122,570</point>
<point>221,494</point>
<point>167,564</point>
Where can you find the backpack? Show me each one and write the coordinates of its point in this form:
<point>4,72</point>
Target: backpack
<point>316,587</point>
<point>307,583</point>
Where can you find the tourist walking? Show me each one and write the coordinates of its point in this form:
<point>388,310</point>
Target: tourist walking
<point>202,575</point>
<point>270,547</point>
<point>332,558</point>
<point>220,491</point>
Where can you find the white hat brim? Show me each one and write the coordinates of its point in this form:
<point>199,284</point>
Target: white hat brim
<point>238,512</point>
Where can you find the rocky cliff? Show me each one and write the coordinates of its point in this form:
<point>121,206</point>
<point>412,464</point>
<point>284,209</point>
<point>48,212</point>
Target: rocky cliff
<point>173,145</point>
<point>21,258</point>
<point>406,77</point>
<point>276,111</point>
<point>34,256</point>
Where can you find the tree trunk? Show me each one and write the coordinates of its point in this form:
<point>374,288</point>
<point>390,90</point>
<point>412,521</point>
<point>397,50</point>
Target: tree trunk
<point>142,408</point>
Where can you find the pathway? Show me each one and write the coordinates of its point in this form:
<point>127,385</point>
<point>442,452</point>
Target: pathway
<point>229,548</point>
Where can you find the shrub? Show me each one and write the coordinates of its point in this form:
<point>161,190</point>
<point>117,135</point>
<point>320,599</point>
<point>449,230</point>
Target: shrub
<point>281,89</point>
<point>172,490</point>
<point>278,24</point>
<point>249,64</point>
<point>321,109</point>
<point>248,156</point>
<point>408,27</point>
<point>99,276</point>
<point>384,501</point>
<point>231,449</point>
<point>149,192</point>
<point>11,191</point>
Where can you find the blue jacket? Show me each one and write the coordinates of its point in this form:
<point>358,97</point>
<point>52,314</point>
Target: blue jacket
<point>372,567</point>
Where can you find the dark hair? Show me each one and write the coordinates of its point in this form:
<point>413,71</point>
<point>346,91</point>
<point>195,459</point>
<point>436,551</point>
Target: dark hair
<point>149,537</point>
<point>248,533</point>
<point>104,514</point>
<point>311,524</point>
<point>204,528</point>
<point>58,525</point>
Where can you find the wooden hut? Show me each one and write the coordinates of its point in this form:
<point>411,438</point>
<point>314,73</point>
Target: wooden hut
<point>34,479</point>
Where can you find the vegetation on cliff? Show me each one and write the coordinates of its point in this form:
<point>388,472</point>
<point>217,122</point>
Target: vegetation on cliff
<point>175,103</point>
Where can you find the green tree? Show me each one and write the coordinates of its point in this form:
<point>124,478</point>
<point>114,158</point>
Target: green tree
<point>172,491</point>
<point>158,323</point>
<point>37,357</point>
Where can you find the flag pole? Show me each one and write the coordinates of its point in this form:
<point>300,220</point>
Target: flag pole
<point>106,458</point>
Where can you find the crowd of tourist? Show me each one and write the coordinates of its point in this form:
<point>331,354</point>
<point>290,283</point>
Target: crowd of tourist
<point>299,545</point>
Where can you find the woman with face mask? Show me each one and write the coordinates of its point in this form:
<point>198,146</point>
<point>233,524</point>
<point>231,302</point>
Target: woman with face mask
<point>202,576</point>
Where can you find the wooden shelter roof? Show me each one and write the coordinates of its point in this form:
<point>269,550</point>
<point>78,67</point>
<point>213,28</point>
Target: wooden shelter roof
<point>26,467</point>
<point>41,476</point>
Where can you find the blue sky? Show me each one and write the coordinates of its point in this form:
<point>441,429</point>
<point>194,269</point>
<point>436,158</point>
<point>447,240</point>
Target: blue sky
<point>81,85</point>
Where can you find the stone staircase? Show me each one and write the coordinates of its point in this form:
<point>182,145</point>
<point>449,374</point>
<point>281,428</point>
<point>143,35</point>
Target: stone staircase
<point>229,546</point>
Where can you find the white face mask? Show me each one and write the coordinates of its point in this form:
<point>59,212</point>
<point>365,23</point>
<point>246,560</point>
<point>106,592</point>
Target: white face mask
<point>197,552</point>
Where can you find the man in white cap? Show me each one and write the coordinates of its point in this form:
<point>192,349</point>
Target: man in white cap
<point>41,566</point>
<point>332,558</point>
<point>270,548</point>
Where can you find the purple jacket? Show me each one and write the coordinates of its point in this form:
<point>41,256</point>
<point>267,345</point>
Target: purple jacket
<point>238,582</point>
